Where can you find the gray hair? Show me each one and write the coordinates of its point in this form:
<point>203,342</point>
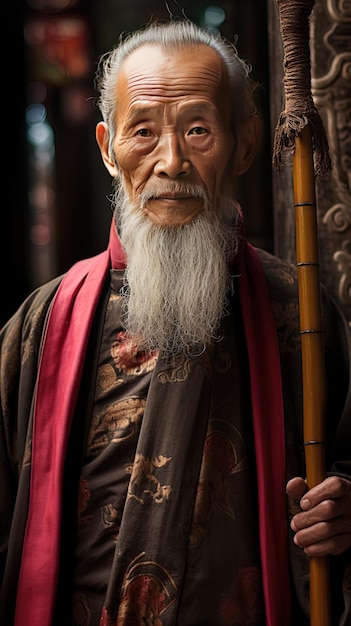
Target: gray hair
<point>174,35</point>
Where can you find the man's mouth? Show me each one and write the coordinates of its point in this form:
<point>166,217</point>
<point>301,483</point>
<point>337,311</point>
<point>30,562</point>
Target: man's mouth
<point>173,197</point>
<point>172,207</point>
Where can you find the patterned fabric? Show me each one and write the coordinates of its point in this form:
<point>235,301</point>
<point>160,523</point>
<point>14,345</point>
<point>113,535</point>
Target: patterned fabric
<point>198,564</point>
<point>69,327</point>
<point>19,343</point>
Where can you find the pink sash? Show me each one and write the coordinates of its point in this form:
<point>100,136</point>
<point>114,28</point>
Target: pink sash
<point>59,375</point>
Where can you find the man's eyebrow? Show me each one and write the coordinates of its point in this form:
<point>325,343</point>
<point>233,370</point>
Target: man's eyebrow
<point>140,110</point>
<point>199,107</point>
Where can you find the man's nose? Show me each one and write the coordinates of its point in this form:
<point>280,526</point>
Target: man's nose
<point>172,160</point>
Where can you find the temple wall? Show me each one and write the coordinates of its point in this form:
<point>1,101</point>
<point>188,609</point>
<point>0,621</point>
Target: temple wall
<point>330,45</point>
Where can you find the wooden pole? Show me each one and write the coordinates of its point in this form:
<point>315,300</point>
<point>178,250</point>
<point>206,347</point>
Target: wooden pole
<point>313,363</point>
<point>300,129</point>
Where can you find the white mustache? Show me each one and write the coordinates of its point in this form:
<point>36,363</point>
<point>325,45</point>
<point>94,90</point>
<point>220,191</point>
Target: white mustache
<point>174,189</point>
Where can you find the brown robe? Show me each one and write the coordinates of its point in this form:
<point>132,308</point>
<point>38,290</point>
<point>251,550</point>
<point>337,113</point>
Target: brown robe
<point>226,470</point>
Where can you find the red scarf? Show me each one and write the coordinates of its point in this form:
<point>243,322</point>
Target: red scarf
<point>59,375</point>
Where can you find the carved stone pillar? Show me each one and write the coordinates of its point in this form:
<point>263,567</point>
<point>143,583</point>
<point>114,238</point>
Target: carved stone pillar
<point>330,43</point>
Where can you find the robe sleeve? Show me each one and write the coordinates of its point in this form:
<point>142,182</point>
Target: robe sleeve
<point>20,340</point>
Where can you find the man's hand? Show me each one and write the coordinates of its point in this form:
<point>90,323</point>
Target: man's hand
<point>323,526</point>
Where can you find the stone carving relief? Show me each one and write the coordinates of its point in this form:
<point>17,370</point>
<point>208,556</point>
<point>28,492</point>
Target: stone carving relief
<point>331,90</point>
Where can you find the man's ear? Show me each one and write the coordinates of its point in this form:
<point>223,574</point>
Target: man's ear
<point>103,137</point>
<point>248,140</point>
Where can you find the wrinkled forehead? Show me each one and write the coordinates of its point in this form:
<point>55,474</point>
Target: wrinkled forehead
<point>153,72</point>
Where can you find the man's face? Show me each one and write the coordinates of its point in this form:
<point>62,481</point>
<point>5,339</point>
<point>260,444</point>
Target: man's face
<point>173,129</point>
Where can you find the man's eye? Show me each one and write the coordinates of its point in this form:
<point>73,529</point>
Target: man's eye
<point>197,130</point>
<point>144,132</point>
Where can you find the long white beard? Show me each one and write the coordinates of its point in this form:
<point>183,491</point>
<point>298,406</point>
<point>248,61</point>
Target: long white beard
<point>177,278</point>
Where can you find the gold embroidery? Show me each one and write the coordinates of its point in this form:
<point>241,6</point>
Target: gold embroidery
<point>119,422</point>
<point>111,518</point>
<point>281,275</point>
<point>128,359</point>
<point>31,343</point>
<point>10,345</point>
<point>106,379</point>
<point>143,483</point>
<point>177,368</point>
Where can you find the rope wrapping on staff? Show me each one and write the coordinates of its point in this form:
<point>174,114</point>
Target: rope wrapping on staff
<point>299,110</point>
<point>301,129</point>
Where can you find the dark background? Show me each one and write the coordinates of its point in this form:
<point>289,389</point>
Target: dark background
<point>56,207</point>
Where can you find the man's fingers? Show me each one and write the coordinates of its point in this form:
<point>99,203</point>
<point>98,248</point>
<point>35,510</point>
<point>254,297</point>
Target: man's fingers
<point>313,544</point>
<point>325,511</point>
<point>331,488</point>
<point>295,488</point>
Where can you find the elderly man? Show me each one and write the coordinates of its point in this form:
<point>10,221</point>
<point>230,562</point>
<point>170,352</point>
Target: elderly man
<point>151,397</point>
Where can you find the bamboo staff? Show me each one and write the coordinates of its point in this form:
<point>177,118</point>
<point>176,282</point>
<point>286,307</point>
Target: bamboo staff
<point>300,129</point>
